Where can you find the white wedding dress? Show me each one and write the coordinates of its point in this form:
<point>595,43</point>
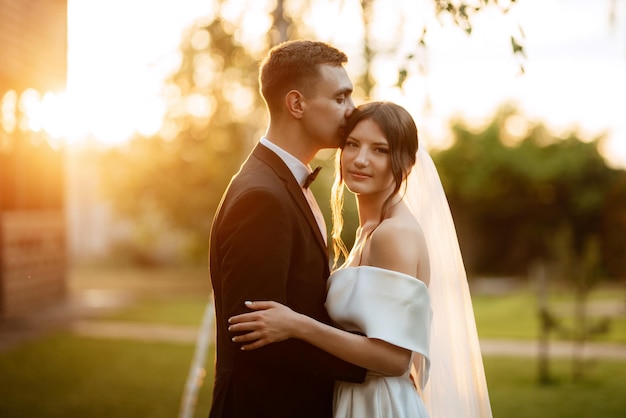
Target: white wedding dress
<point>396,308</point>
<point>389,306</point>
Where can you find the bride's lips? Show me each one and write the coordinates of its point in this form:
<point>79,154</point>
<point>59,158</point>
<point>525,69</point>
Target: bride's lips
<point>358,175</point>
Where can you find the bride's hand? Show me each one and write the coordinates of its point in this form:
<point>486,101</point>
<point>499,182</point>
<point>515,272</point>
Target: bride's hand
<point>269,322</point>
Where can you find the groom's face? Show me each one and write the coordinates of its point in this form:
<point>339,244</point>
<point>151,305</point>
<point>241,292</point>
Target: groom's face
<point>328,106</point>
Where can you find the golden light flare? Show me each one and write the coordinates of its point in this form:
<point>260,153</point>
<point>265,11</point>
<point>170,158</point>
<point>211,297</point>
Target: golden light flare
<point>8,111</point>
<point>65,117</point>
<point>115,85</point>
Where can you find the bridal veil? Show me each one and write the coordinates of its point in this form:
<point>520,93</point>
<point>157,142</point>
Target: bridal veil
<point>456,384</point>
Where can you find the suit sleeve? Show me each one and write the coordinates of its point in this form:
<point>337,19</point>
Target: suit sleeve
<point>255,240</point>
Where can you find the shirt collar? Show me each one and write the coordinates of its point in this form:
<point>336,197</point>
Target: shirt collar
<point>299,170</point>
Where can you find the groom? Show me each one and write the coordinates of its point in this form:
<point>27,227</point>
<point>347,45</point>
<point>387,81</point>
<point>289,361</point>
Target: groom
<point>268,240</point>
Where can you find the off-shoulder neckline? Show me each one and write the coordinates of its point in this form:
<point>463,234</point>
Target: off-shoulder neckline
<point>382,269</point>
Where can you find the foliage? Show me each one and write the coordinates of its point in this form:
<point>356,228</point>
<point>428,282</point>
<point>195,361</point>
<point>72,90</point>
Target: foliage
<point>516,193</point>
<point>462,14</point>
<point>175,180</point>
<point>582,272</point>
<point>170,185</point>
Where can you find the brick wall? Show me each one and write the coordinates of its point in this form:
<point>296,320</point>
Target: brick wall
<point>33,45</point>
<point>32,260</point>
<point>33,55</point>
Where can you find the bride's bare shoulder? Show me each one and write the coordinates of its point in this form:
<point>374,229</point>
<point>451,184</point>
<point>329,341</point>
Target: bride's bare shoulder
<point>398,244</point>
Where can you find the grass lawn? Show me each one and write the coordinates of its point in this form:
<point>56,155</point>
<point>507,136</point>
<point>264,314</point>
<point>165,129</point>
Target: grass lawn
<point>66,376</point>
<point>178,296</point>
<point>514,392</point>
<point>507,316</point>
<point>175,310</point>
<point>514,315</point>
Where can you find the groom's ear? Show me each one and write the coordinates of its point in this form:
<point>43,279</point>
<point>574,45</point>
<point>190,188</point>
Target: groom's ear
<point>294,100</point>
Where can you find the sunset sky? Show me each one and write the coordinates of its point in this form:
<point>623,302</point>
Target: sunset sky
<point>120,51</point>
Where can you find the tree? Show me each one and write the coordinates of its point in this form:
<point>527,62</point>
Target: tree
<point>174,180</point>
<point>512,195</point>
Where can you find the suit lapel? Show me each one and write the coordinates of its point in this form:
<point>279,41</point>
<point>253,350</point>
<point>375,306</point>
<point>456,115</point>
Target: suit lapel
<point>280,168</point>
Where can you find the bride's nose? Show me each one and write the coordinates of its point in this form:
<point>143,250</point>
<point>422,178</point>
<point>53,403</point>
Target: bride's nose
<point>361,159</point>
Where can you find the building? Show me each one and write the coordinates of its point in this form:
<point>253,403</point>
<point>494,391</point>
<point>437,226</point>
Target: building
<point>33,60</point>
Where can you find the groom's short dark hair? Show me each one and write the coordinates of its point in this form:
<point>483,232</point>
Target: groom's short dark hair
<point>294,65</point>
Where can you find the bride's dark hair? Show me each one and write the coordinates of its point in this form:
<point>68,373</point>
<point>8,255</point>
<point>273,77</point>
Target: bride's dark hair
<point>401,132</point>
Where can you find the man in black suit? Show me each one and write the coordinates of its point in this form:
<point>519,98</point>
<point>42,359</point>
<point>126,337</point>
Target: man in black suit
<point>268,240</point>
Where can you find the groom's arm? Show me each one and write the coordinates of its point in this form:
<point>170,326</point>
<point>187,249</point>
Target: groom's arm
<point>256,244</point>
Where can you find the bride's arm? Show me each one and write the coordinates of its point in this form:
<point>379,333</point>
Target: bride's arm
<point>272,322</point>
<point>391,248</point>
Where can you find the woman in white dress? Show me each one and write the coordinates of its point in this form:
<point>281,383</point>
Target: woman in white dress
<point>380,296</point>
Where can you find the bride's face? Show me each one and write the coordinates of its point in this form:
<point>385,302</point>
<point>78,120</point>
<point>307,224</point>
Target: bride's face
<point>366,160</point>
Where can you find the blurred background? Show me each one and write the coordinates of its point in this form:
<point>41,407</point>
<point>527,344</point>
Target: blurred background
<point>121,123</point>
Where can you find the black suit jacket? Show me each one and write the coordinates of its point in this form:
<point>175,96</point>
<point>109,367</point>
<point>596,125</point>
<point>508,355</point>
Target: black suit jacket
<point>266,245</point>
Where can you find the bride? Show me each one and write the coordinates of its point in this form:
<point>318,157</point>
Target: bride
<point>401,297</point>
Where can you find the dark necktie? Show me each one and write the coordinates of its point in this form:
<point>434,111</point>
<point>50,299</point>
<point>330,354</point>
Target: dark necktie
<point>311,177</point>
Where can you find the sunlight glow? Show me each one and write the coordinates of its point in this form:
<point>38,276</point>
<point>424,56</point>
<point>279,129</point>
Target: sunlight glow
<point>119,54</point>
<point>8,111</point>
<point>574,78</point>
<point>53,115</point>
<point>29,106</point>
<point>242,99</point>
<point>204,69</point>
<point>199,106</point>
<point>252,21</point>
